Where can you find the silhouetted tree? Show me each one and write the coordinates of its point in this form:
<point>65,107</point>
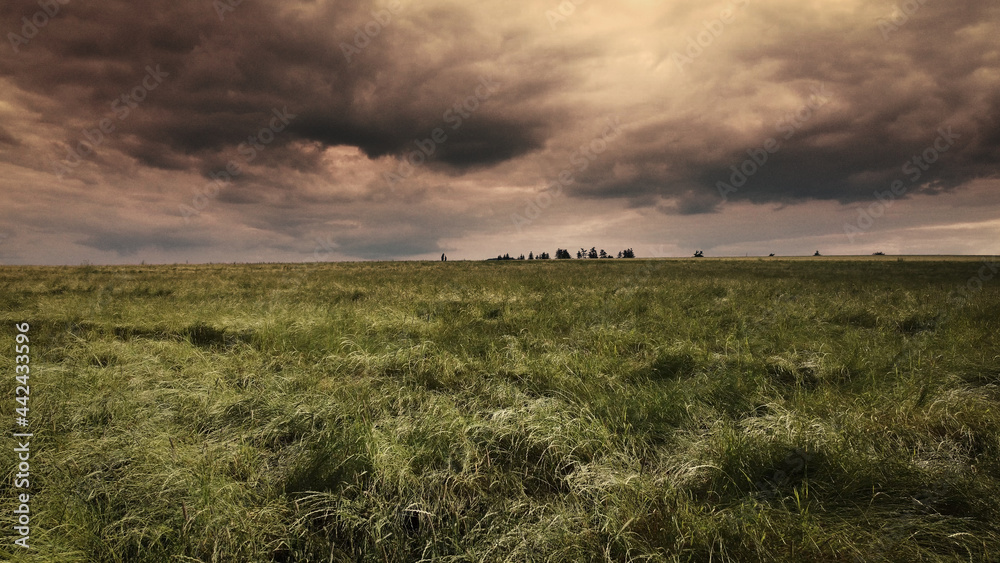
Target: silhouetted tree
<point>592,253</point>
<point>699,254</point>
<point>531,256</point>
<point>817,253</point>
<point>603,254</point>
<point>771,254</point>
<point>879,253</point>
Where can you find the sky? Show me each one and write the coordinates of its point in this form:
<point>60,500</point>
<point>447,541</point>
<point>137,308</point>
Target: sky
<point>172,131</point>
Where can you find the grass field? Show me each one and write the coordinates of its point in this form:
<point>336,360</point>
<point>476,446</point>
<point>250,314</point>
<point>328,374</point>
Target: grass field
<point>570,410</point>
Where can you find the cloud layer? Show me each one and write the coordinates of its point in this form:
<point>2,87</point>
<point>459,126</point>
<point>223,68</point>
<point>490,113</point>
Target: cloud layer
<point>343,130</point>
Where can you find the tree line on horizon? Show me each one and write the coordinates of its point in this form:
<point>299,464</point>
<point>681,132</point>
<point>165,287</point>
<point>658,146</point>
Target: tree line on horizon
<point>564,254</point>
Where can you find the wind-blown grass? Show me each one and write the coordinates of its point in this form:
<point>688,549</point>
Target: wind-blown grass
<point>621,410</point>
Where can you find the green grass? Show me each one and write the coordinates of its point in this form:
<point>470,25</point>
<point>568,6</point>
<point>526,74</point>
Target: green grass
<point>620,410</point>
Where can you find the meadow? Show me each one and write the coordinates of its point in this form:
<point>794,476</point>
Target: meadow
<point>547,410</point>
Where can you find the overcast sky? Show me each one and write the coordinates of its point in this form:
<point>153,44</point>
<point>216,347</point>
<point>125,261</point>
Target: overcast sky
<point>172,131</point>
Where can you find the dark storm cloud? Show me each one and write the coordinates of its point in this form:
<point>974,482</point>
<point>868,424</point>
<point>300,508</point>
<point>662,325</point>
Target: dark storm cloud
<point>898,91</point>
<point>226,77</point>
<point>887,100</point>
